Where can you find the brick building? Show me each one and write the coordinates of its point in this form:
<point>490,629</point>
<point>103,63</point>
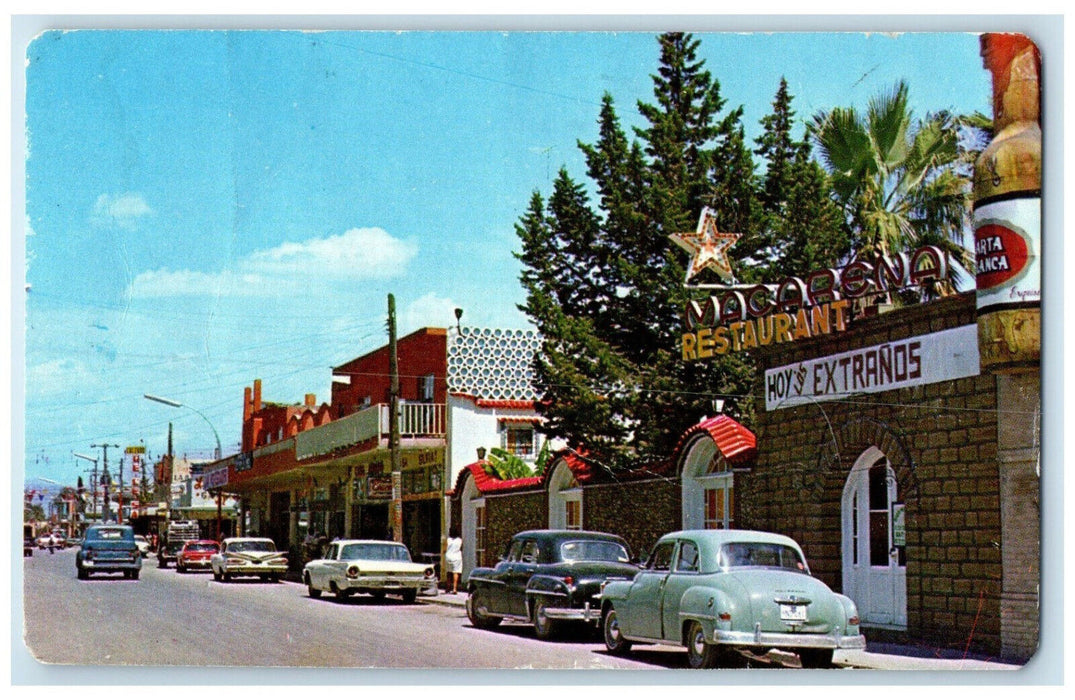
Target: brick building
<point>896,494</point>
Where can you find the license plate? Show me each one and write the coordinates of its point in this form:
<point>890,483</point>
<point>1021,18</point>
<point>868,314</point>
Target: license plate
<point>793,612</point>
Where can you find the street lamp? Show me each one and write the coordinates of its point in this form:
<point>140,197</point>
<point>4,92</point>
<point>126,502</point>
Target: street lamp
<point>177,404</point>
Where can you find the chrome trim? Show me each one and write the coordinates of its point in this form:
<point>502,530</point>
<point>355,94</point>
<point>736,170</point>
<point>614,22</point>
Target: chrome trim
<point>586,613</point>
<point>786,640</point>
<point>535,592</point>
<point>695,616</point>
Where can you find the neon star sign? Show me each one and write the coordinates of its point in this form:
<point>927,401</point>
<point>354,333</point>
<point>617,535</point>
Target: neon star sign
<point>708,247</point>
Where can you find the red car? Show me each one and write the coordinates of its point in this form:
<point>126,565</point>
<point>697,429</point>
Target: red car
<point>195,555</point>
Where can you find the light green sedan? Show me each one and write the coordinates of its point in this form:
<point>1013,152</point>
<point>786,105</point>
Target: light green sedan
<point>716,591</point>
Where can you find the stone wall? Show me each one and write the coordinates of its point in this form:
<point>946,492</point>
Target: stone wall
<point>638,511</point>
<point>510,513</point>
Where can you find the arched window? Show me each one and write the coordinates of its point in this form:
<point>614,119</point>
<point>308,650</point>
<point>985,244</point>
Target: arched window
<point>565,499</point>
<point>708,488</point>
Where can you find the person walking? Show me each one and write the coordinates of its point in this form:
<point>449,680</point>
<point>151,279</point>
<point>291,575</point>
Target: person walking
<point>453,556</point>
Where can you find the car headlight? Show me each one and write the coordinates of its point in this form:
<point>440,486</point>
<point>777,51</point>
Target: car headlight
<point>352,571</point>
<point>430,573</point>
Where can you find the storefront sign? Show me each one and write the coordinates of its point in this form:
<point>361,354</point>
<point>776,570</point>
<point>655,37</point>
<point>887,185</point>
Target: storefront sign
<point>216,478</point>
<point>799,307</point>
<point>924,359</point>
<point>379,488</point>
<point>242,462</point>
<point>899,528</point>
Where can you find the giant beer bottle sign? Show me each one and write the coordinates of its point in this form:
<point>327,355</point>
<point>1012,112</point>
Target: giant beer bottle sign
<point>1006,241</point>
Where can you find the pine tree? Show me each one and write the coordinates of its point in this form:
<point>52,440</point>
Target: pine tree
<point>610,373</point>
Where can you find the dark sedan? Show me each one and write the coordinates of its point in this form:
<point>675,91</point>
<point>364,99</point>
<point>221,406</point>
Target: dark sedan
<point>547,577</point>
<point>107,549</point>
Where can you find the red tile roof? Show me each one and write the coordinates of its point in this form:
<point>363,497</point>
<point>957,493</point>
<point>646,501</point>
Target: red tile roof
<point>734,441</point>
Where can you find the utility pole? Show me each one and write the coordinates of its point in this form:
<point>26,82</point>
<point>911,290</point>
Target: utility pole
<point>106,479</point>
<point>393,426</point>
<point>119,514</point>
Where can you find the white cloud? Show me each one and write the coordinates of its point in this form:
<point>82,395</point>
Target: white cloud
<point>124,210</point>
<point>356,255</point>
<point>58,376</point>
<point>429,310</point>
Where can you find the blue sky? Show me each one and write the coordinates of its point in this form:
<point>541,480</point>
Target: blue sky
<point>209,207</point>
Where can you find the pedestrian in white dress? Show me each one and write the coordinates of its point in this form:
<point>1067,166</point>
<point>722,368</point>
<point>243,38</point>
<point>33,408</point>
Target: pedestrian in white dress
<point>453,556</point>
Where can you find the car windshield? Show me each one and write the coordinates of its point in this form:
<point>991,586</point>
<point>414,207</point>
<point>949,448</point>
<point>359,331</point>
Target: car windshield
<point>256,546</point>
<point>375,550</point>
<point>201,547</point>
<point>593,550</point>
<point>109,533</point>
<point>760,554</point>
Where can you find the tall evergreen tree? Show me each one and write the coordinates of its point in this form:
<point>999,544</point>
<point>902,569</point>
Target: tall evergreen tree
<point>611,376</point>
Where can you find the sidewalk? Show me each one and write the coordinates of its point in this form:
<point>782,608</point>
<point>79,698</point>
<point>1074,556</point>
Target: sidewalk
<point>878,655</point>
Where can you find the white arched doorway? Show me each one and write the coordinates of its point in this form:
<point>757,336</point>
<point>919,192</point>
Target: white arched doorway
<point>473,524</point>
<point>565,499</point>
<point>873,546</point>
<point>707,488</point>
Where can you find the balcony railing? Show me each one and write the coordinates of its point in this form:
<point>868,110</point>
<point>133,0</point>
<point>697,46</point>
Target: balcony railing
<point>416,420</point>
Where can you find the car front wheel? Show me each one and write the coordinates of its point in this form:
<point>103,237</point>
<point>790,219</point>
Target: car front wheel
<point>610,629</point>
<point>700,653</point>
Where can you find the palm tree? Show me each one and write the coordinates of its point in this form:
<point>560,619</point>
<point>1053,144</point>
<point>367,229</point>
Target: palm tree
<point>900,181</point>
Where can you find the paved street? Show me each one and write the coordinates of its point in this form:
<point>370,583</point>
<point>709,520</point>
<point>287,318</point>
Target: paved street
<point>188,620</point>
<point>167,618</point>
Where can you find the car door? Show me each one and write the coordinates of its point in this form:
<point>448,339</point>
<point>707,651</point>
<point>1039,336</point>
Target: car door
<point>497,589</point>
<point>683,575</point>
<point>320,571</point>
<point>641,616</point>
<point>519,573</point>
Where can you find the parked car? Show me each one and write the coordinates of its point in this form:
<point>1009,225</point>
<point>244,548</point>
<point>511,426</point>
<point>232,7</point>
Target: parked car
<point>107,549</point>
<point>196,554</point>
<point>375,567</point>
<point>547,577</point>
<point>143,544</point>
<point>248,556</point>
<point>714,591</point>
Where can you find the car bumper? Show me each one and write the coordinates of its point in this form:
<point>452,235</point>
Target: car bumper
<point>112,565</point>
<point>587,613</point>
<point>387,583</point>
<point>255,570</point>
<point>787,640</point>
<point>196,564</point>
